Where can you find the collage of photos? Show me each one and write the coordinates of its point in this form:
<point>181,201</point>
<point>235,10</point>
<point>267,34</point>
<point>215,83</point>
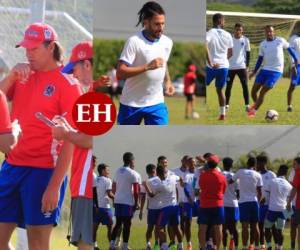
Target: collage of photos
<point>203,152</point>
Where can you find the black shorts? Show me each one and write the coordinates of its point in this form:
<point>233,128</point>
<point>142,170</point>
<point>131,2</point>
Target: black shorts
<point>189,97</point>
<point>296,219</point>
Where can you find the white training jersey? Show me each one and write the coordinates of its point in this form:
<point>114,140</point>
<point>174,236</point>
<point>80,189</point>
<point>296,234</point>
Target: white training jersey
<point>249,180</point>
<point>272,51</point>
<point>167,191</point>
<point>145,89</point>
<point>294,42</point>
<point>267,177</point>
<point>218,42</point>
<point>182,174</point>
<point>124,178</point>
<point>155,185</point>
<point>230,199</point>
<point>240,47</point>
<point>103,184</point>
<point>189,182</point>
<point>279,189</point>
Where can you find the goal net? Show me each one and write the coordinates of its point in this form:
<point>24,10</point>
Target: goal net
<point>254,24</point>
<point>72,20</point>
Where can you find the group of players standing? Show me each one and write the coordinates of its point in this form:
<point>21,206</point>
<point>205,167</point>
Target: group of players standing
<point>254,195</point>
<point>229,55</point>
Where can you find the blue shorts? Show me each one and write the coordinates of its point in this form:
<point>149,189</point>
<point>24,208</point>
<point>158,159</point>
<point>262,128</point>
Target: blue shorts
<point>123,210</point>
<point>263,209</point>
<point>295,79</point>
<point>267,77</point>
<point>187,210</point>
<point>152,115</point>
<point>168,216</point>
<point>152,216</point>
<point>232,214</point>
<point>249,211</point>
<point>211,216</point>
<point>219,74</point>
<point>272,216</point>
<point>21,192</point>
<point>103,216</point>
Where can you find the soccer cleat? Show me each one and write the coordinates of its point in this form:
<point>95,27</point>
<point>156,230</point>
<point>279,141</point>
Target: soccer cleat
<point>221,117</point>
<point>251,247</point>
<point>227,107</point>
<point>156,247</point>
<point>289,109</point>
<point>173,247</point>
<point>148,247</point>
<point>189,247</point>
<point>247,108</point>
<point>251,113</point>
<point>231,244</point>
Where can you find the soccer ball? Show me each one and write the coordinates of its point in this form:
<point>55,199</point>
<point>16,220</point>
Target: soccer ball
<point>271,115</point>
<point>195,115</point>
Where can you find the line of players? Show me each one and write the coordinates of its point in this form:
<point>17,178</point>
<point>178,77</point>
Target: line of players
<point>229,55</point>
<point>254,195</point>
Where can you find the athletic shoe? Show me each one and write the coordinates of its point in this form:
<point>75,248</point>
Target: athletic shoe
<point>189,247</point>
<point>148,247</point>
<point>251,248</point>
<point>289,109</point>
<point>247,108</point>
<point>227,107</point>
<point>221,117</point>
<point>251,113</point>
<point>263,248</point>
<point>173,247</point>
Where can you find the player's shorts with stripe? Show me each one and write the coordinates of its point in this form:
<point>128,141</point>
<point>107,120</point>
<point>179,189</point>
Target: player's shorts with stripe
<point>263,209</point>
<point>232,214</point>
<point>249,211</point>
<point>21,192</point>
<point>103,216</point>
<point>295,79</point>
<point>169,216</point>
<point>267,77</point>
<point>123,210</point>
<point>273,217</point>
<point>220,76</point>
<point>211,216</point>
<point>82,220</point>
<point>152,115</point>
<point>152,216</point>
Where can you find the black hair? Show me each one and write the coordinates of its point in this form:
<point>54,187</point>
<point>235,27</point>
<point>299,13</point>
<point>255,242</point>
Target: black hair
<point>94,159</point>
<point>212,164</point>
<point>239,25</point>
<point>262,159</point>
<point>161,158</point>
<point>269,27</point>
<point>150,168</point>
<point>128,158</point>
<point>283,170</point>
<point>251,162</point>
<point>227,163</point>
<point>297,159</point>
<point>148,10</point>
<point>206,155</point>
<point>101,167</point>
<point>217,18</point>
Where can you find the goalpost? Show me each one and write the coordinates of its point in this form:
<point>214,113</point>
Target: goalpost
<point>254,24</point>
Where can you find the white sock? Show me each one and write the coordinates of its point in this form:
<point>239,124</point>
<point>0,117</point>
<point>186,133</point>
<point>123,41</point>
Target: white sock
<point>222,110</point>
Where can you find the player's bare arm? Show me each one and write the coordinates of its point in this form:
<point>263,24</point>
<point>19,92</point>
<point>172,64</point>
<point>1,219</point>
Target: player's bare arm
<point>169,88</point>
<point>124,71</point>
<point>51,194</point>
<point>229,53</point>
<point>102,81</point>
<point>9,140</point>
<point>20,71</point>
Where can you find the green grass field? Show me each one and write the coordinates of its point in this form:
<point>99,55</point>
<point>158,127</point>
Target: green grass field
<point>209,108</point>
<point>137,236</point>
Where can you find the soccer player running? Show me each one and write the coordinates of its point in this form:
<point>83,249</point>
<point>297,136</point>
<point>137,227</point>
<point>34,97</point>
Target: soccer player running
<point>239,64</point>
<point>271,55</point>
<point>154,205</point>
<point>219,46</point>
<point>143,63</point>
<point>231,208</point>
<point>32,193</point>
<point>126,190</point>
<point>296,193</point>
<point>189,81</point>
<point>267,176</point>
<point>279,189</point>
<point>295,78</point>
<point>211,211</point>
<point>104,215</point>
<point>250,183</point>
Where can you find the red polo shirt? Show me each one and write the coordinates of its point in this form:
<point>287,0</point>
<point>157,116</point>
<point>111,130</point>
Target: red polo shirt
<point>5,125</point>
<point>296,184</point>
<point>212,184</point>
